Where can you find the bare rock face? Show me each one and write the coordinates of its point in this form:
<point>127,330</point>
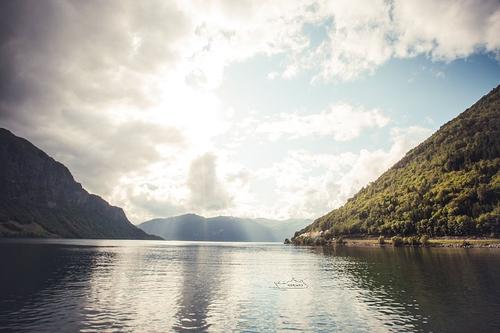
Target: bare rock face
<point>40,198</point>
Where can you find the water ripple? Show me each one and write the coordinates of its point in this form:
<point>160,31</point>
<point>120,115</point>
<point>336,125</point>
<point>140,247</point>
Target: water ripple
<point>110,286</point>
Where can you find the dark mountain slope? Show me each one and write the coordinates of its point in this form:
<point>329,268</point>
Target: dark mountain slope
<point>448,185</point>
<point>40,198</point>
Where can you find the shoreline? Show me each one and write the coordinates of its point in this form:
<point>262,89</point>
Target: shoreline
<point>490,243</point>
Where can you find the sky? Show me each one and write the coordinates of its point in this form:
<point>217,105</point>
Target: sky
<point>278,109</point>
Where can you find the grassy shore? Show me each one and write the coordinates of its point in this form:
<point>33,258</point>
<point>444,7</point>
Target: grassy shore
<point>433,242</point>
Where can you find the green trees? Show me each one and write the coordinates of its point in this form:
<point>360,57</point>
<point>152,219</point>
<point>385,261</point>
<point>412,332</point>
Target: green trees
<point>339,240</point>
<point>397,241</point>
<point>424,240</point>
<point>449,185</point>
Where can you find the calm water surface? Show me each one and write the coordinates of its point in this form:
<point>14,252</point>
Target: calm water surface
<point>159,286</point>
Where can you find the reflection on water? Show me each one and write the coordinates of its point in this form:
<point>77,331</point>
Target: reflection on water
<point>152,286</point>
<point>199,283</point>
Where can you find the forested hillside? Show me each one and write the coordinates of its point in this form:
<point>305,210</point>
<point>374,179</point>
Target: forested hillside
<point>448,185</point>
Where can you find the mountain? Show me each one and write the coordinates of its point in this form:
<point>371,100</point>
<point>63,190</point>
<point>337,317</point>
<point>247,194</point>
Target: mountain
<point>449,185</point>
<point>40,198</point>
<point>221,228</point>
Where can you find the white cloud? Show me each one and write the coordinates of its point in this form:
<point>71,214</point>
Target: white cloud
<point>125,93</point>
<point>207,192</point>
<point>272,75</point>
<point>365,35</point>
<point>446,29</point>
<point>181,185</point>
<point>343,122</point>
<point>369,165</point>
<point>310,185</point>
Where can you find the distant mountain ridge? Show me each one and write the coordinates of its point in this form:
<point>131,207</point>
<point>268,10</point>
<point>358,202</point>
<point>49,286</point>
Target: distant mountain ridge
<point>40,198</point>
<point>192,227</point>
<point>449,185</point>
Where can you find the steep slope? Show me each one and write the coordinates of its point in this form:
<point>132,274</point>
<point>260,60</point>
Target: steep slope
<point>221,228</point>
<point>40,198</point>
<point>448,185</point>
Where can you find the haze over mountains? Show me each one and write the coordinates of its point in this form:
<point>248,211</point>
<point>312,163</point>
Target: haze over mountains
<point>40,198</point>
<point>449,185</point>
<point>192,227</point>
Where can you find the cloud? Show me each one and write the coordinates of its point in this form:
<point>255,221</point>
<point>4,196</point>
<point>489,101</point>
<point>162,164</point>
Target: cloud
<point>126,92</point>
<point>145,205</point>
<point>99,152</point>
<point>80,87</point>
<point>272,75</point>
<point>104,87</point>
<point>343,122</point>
<point>447,29</point>
<point>207,191</point>
<point>311,185</point>
<point>369,165</point>
<point>364,36</point>
<point>208,184</point>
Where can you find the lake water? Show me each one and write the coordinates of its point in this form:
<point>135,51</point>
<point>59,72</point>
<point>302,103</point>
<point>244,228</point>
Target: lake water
<point>159,286</point>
